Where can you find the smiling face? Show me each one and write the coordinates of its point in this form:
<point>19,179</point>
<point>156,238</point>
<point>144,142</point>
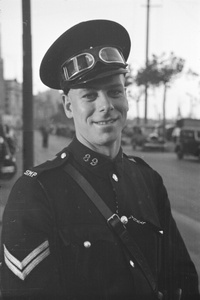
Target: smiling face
<point>99,110</point>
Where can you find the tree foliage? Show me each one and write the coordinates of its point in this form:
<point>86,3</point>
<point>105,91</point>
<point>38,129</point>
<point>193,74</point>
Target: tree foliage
<point>129,78</point>
<point>160,70</point>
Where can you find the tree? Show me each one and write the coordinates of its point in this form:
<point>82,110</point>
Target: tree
<point>132,94</point>
<point>129,78</point>
<point>160,71</point>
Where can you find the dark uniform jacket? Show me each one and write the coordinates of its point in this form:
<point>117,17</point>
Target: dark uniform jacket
<point>57,245</point>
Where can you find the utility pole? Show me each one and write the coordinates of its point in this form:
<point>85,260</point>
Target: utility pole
<point>148,6</point>
<point>147,61</point>
<point>27,87</point>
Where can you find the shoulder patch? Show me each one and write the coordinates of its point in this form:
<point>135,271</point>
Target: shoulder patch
<point>56,162</point>
<point>30,173</point>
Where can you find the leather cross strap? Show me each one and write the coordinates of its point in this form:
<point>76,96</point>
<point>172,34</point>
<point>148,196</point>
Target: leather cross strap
<point>115,223</point>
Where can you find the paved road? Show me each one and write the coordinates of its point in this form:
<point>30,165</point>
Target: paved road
<point>180,177</point>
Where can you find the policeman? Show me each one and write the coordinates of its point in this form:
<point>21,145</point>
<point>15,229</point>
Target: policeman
<point>56,242</point>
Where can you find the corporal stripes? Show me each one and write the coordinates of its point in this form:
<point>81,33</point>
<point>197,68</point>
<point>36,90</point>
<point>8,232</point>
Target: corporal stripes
<point>22,268</point>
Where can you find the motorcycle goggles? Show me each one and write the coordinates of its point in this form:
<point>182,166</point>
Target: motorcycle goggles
<point>85,61</point>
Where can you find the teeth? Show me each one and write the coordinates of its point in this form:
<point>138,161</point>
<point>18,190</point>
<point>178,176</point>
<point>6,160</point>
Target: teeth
<point>105,122</point>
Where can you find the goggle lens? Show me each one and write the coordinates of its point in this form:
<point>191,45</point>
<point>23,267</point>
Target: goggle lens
<point>71,68</point>
<point>85,61</point>
<point>78,64</point>
<point>111,55</point>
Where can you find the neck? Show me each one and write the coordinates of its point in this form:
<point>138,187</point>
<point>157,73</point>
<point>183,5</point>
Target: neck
<point>109,150</point>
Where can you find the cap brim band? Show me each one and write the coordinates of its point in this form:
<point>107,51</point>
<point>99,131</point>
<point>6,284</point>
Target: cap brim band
<point>93,76</point>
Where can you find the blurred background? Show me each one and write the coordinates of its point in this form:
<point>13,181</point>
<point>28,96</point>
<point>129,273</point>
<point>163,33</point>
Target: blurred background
<point>163,90</point>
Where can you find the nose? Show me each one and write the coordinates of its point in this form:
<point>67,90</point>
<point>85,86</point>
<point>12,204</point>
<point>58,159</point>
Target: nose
<point>105,103</point>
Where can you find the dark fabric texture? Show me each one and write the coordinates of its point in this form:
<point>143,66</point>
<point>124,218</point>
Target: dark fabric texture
<point>85,259</point>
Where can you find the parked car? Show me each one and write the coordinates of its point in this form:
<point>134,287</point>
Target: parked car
<point>8,165</point>
<point>138,138</point>
<point>188,142</point>
<point>154,143</point>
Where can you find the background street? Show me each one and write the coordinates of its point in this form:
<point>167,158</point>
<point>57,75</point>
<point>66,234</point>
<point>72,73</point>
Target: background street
<point>180,177</point>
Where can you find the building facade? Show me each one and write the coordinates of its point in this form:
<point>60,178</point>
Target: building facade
<point>13,103</point>
<point>2,89</point>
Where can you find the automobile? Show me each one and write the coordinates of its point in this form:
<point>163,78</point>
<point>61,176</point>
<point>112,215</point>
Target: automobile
<point>138,138</point>
<point>8,166</point>
<point>188,142</point>
<point>154,143</point>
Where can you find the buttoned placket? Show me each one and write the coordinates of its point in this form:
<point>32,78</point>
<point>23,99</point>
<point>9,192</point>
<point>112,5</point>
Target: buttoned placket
<point>119,191</point>
<point>114,182</point>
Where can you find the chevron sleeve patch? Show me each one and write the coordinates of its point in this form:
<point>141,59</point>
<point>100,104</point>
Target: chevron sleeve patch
<point>23,268</point>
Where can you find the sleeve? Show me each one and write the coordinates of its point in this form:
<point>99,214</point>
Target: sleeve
<point>178,270</point>
<point>29,264</point>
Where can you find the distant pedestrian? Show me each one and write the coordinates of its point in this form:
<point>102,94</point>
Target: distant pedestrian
<point>45,136</point>
<point>176,134</point>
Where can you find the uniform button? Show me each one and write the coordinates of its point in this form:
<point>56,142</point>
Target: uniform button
<point>63,155</point>
<point>114,176</point>
<point>124,219</point>
<point>132,263</point>
<point>87,244</point>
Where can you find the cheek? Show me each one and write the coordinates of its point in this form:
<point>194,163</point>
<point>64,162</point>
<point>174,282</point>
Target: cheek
<point>122,106</point>
<point>77,109</point>
<point>82,112</point>
<point>126,104</point>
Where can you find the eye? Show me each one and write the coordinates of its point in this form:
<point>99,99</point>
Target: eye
<point>115,93</point>
<point>90,96</point>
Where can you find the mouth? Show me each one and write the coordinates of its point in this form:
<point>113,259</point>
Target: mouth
<point>106,122</point>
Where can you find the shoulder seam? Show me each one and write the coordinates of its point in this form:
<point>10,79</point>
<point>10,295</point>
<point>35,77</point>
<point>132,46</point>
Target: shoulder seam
<point>138,160</point>
<point>58,161</point>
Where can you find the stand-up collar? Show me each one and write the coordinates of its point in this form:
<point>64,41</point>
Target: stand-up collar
<point>94,161</point>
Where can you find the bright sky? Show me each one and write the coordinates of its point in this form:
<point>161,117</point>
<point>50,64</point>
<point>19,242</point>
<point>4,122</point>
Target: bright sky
<point>174,26</point>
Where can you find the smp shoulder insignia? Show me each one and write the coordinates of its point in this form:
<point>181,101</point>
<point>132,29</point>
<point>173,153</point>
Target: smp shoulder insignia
<point>30,173</point>
<point>56,162</point>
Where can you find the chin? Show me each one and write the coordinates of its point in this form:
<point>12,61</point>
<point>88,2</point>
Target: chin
<point>106,141</point>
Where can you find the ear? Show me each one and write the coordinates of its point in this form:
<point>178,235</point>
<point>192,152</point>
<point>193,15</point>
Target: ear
<point>67,106</point>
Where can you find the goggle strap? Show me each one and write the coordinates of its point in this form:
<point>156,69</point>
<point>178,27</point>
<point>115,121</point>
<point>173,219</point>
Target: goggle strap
<point>66,75</point>
<point>77,70</point>
<point>75,61</point>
